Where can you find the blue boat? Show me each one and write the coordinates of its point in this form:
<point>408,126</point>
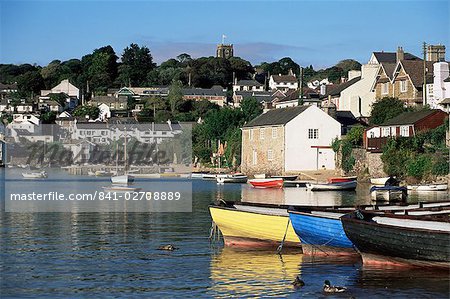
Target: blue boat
<point>321,232</point>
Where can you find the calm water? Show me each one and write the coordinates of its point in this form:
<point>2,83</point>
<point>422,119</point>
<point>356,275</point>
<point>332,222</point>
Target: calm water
<point>87,255</point>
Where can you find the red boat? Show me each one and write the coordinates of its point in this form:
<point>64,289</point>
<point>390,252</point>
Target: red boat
<point>267,183</point>
<point>342,179</point>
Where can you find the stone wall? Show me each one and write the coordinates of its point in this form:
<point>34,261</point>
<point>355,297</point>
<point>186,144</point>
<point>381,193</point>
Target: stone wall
<point>367,165</point>
<point>261,144</point>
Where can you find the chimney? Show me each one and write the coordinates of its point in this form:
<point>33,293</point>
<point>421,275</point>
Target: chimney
<point>400,54</point>
<point>323,89</point>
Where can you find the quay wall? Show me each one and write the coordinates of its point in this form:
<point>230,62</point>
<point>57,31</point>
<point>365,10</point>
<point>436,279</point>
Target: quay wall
<point>367,164</point>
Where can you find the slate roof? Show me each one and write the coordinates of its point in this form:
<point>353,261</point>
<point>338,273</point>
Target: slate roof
<point>203,92</point>
<point>8,86</point>
<point>260,96</point>
<point>284,78</point>
<point>279,116</point>
<point>389,69</point>
<point>346,118</point>
<point>248,83</point>
<point>339,88</point>
<point>391,57</point>
<point>414,68</point>
<point>109,99</point>
<point>408,118</point>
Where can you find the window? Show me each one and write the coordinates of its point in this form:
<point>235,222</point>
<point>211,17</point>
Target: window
<point>255,158</point>
<point>386,132</point>
<point>404,131</point>
<point>384,88</point>
<point>313,133</point>
<point>403,86</point>
<point>274,133</point>
<point>261,133</point>
<point>250,132</point>
<point>269,155</point>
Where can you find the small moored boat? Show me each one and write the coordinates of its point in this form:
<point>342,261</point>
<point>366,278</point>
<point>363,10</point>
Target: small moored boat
<point>429,187</point>
<point>320,231</point>
<point>379,181</point>
<point>119,188</point>
<point>260,176</point>
<point>388,193</point>
<point>342,179</point>
<point>295,184</point>
<point>400,240</point>
<point>232,178</point>
<point>104,173</point>
<point>254,226</point>
<point>122,179</point>
<point>35,175</point>
<point>266,183</point>
<point>285,177</point>
<point>351,185</point>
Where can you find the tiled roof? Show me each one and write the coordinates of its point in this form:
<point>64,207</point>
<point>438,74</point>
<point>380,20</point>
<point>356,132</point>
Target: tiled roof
<point>277,116</point>
<point>408,118</point>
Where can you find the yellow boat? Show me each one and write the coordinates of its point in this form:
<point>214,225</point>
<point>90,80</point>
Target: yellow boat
<point>254,226</point>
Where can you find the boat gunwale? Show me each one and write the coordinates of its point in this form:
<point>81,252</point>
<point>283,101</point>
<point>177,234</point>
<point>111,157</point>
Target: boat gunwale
<point>350,218</point>
<point>242,211</point>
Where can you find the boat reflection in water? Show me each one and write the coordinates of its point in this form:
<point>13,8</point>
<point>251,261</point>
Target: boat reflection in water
<point>239,273</point>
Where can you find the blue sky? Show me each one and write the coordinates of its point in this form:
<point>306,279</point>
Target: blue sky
<point>311,32</point>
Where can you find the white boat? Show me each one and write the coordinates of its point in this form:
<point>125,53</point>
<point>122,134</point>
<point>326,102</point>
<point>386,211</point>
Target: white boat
<point>260,176</point>
<point>122,179</point>
<point>232,178</point>
<point>213,176</point>
<point>91,173</point>
<point>388,193</point>
<point>430,187</point>
<point>35,175</point>
<point>341,186</point>
<point>121,189</point>
<point>379,181</point>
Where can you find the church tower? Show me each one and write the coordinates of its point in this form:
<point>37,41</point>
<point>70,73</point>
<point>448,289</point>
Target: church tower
<point>224,50</point>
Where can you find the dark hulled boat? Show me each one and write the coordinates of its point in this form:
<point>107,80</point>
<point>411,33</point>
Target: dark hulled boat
<point>400,239</point>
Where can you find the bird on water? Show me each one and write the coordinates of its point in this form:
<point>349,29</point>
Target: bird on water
<point>328,288</point>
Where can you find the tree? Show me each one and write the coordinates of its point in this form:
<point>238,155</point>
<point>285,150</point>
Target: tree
<point>137,62</point>
<point>48,117</point>
<point>59,98</point>
<point>348,65</point>
<point>242,68</point>
<point>250,108</point>
<point>102,68</point>
<point>386,108</point>
<point>175,96</point>
<point>83,111</point>
<point>184,58</point>
<point>30,83</point>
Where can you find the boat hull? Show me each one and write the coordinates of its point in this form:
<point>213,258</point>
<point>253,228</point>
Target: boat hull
<point>343,186</point>
<point>379,181</point>
<point>266,183</point>
<point>122,179</point>
<point>253,230</point>
<point>320,234</point>
<point>342,179</point>
<point>397,245</point>
<point>232,179</point>
<point>285,177</point>
<point>436,187</point>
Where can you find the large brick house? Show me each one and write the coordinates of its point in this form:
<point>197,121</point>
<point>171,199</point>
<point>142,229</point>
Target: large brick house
<point>407,124</point>
<point>403,78</point>
<point>289,140</point>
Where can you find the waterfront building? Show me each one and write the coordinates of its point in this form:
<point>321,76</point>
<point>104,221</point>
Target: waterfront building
<point>407,124</point>
<point>289,140</point>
